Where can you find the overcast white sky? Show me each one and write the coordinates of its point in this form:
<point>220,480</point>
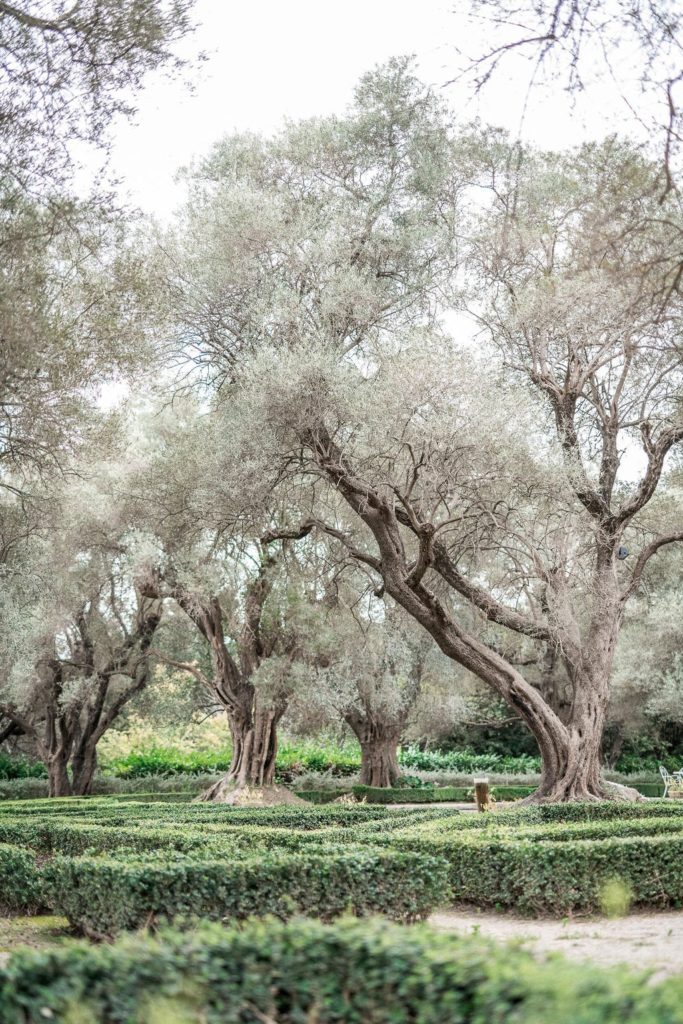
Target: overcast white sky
<point>271,59</point>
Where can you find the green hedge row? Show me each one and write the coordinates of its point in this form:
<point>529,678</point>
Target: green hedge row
<point>20,884</point>
<point>102,896</point>
<point>505,827</point>
<point>601,811</point>
<point>73,837</point>
<point>556,878</point>
<point>286,816</point>
<point>438,794</point>
<point>48,837</point>
<point>608,829</point>
<point>347,973</point>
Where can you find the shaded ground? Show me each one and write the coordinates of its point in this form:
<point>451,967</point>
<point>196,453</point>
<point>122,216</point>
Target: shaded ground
<point>36,932</point>
<point>647,940</point>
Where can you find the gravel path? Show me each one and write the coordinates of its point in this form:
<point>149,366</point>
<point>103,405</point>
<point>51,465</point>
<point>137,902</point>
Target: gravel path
<point>647,940</point>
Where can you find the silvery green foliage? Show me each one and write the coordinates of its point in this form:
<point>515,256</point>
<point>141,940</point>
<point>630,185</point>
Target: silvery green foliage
<point>83,559</point>
<point>67,69</point>
<point>472,482</point>
<point>336,231</point>
<point>648,677</point>
<point>377,664</point>
<point>73,316</point>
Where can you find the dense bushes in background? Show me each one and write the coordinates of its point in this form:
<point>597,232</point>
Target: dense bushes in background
<point>20,768</point>
<point>344,762</point>
<point>293,760</point>
<point>305,765</point>
<point>167,761</point>
<point>347,973</point>
<point>464,761</point>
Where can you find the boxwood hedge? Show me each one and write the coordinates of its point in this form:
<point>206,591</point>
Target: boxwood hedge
<point>558,877</point>
<point>102,896</point>
<point>20,884</point>
<point>543,859</point>
<point>348,973</point>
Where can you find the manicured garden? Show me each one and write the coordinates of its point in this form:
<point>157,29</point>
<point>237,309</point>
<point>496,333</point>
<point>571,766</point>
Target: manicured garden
<point>111,866</point>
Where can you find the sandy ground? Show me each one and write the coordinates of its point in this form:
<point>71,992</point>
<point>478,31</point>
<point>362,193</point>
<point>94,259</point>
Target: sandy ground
<point>644,941</point>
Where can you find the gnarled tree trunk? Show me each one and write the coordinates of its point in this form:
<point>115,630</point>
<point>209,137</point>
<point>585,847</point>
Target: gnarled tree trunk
<point>253,724</point>
<point>58,776</point>
<point>378,748</point>
<point>251,777</point>
<point>83,766</point>
<point>379,762</point>
<point>570,747</point>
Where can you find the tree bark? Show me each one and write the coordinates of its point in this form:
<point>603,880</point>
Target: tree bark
<point>379,762</point>
<point>378,750</point>
<point>251,777</point>
<point>58,776</point>
<point>572,757</point>
<point>255,748</point>
<point>83,766</point>
<point>253,726</point>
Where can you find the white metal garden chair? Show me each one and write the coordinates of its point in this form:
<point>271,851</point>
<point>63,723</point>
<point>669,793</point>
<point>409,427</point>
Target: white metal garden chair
<point>673,779</point>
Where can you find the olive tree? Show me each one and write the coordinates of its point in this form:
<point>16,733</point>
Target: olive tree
<point>86,609</point>
<point>492,476</point>
<point>67,69</point>
<point>258,606</point>
<point>383,677</point>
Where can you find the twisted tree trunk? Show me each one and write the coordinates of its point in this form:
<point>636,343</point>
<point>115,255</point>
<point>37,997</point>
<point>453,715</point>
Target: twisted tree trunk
<point>83,767</point>
<point>251,777</point>
<point>570,749</point>
<point>378,748</point>
<point>58,776</point>
<point>253,724</point>
<point>379,762</point>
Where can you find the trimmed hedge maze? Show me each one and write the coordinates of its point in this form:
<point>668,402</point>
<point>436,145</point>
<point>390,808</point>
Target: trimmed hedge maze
<point>111,865</point>
<point>232,894</point>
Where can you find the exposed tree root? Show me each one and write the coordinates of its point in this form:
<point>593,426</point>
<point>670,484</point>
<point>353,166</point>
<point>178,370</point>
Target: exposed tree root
<point>608,791</point>
<point>227,791</point>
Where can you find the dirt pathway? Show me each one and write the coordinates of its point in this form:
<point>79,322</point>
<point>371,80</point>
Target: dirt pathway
<point>644,940</point>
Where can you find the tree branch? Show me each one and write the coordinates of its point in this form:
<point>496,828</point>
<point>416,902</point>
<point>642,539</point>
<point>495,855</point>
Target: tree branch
<point>644,557</point>
<point>656,453</point>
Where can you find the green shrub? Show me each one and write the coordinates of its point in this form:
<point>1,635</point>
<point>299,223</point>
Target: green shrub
<point>556,878</point>
<point>48,837</point>
<point>412,782</point>
<point>292,760</point>
<point>321,796</point>
<point>351,972</point>
<point>168,761</point>
<point>465,761</point>
<point>433,794</point>
<point>111,811</point>
<point>102,896</point>
<point>20,882</point>
<point>21,768</point>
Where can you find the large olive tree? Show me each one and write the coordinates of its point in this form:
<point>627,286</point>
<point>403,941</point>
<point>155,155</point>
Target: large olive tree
<point>313,276</point>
